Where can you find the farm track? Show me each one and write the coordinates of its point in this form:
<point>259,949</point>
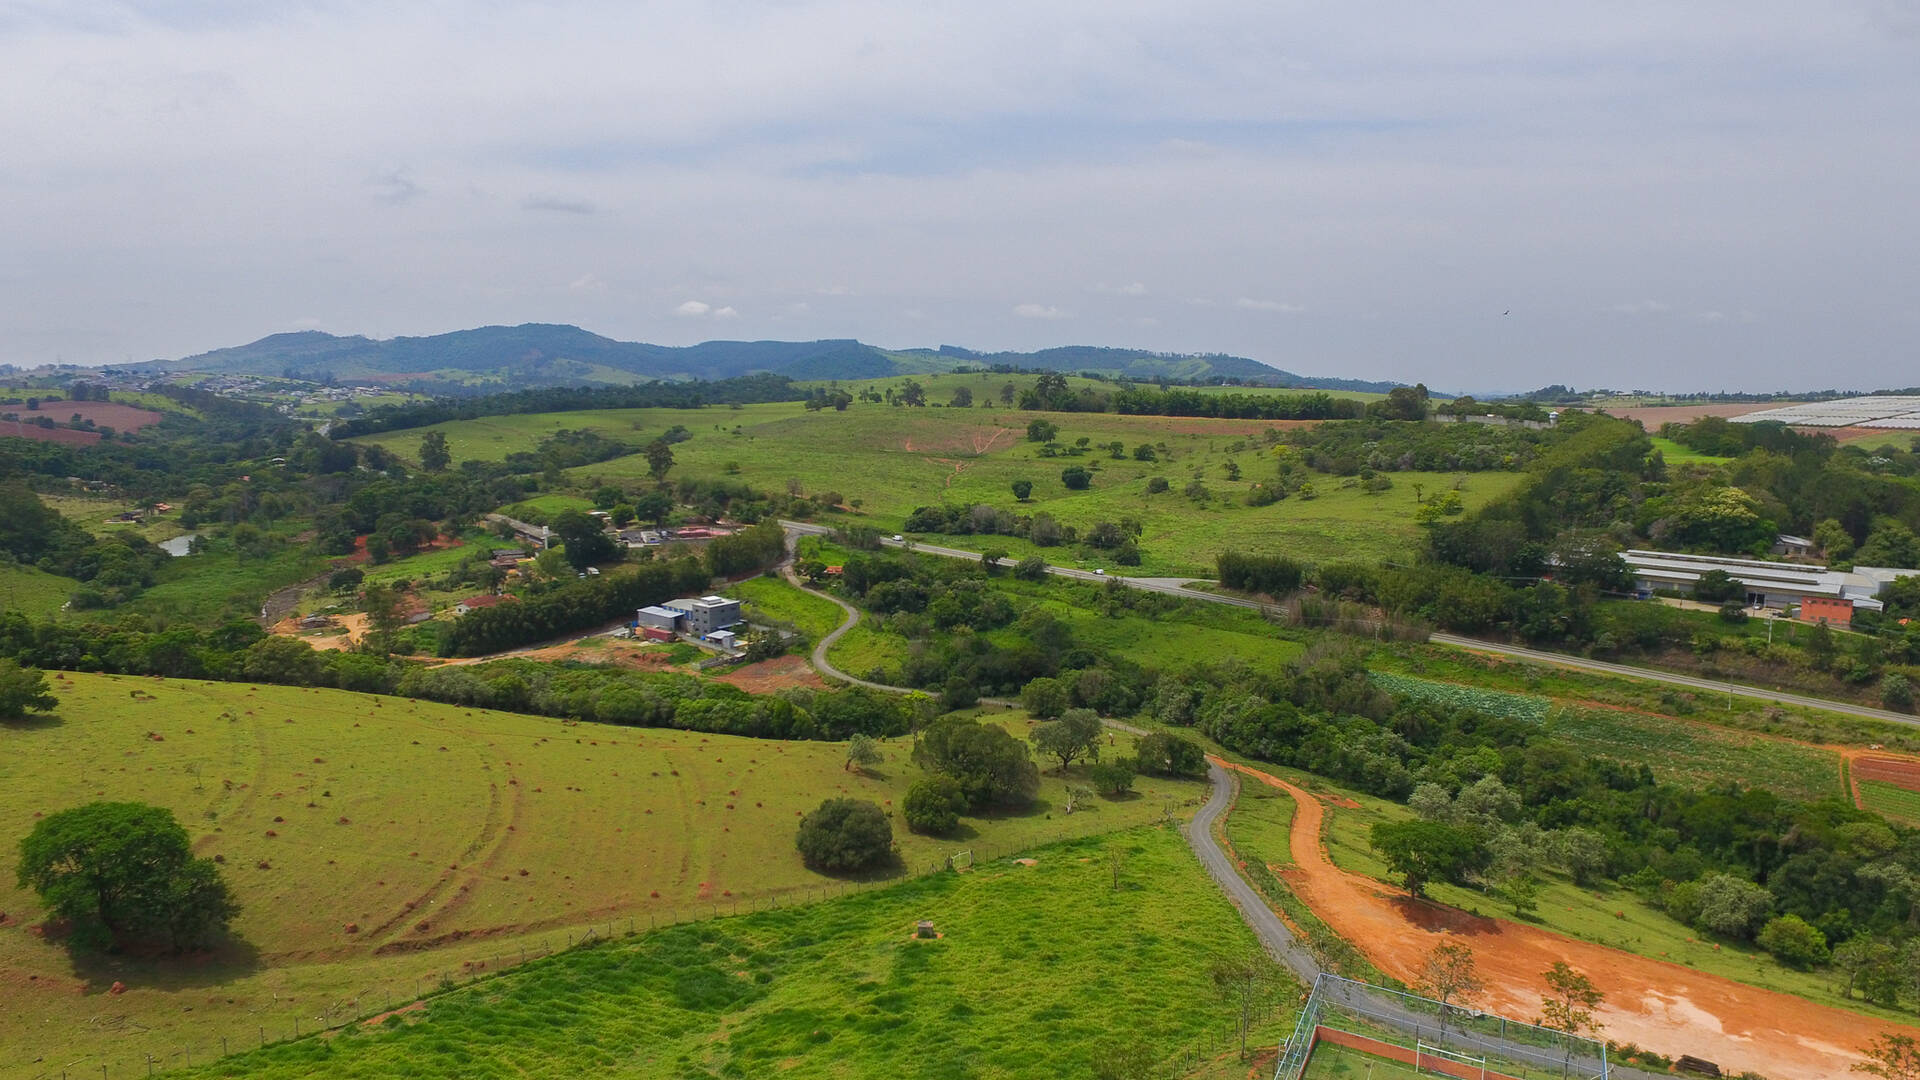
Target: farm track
<point>1666,1006</point>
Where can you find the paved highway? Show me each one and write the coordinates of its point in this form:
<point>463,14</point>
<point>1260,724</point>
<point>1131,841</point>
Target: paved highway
<point>1177,587</point>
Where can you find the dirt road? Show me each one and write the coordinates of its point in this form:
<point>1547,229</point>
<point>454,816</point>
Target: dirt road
<point>1662,1006</point>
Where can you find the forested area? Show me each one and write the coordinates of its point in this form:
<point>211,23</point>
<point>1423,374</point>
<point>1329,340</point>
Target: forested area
<point>742,390</point>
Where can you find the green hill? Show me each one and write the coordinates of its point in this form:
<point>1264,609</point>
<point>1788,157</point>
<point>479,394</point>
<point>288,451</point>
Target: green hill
<point>491,358</point>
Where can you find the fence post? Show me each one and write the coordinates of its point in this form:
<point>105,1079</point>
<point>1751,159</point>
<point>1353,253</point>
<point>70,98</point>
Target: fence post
<point>149,1065</point>
<point>263,1035</point>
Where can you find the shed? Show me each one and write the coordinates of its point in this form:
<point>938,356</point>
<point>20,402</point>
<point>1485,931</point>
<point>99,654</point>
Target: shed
<point>657,618</point>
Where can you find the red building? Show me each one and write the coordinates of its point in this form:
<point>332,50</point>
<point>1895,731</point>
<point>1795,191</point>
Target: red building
<point>1825,611</point>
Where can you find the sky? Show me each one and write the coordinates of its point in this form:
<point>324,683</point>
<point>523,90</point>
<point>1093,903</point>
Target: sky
<point>1696,196</point>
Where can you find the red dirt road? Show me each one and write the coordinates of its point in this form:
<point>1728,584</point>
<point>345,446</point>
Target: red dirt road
<point>1665,1007</point>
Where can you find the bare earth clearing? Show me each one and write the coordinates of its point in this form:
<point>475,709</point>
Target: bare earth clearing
<point>1667,1007</point>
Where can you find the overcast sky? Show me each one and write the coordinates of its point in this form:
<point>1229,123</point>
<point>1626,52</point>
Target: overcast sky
<point>1688,196</point>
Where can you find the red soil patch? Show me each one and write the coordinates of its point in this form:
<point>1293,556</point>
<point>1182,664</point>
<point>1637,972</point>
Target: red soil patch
<point>103,413</point>
<point>440,543</point>
<point>768,676</point>
<point>1900,772</point>
<point>1652,1003</point>
<point>23,430</point>
<point>1652,416</point>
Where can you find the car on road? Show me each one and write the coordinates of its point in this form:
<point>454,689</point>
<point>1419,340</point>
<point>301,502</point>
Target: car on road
<point>1099,571</point>
<point>897,538</point>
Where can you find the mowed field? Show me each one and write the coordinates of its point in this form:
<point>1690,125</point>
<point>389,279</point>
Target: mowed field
<point>895,459</point>
<point>374,842</point>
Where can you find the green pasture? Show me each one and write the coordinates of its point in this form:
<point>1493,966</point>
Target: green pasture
<point>1036,970</point>
<point>773,598</point>
<point>374,841</point>
<point>895,459</point>
<point>1676,454</point>
<point>92,513</point>
<point>221,582</point>
<point>32,591</point>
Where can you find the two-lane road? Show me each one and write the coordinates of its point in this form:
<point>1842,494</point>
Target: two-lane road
<point>1177,587</point>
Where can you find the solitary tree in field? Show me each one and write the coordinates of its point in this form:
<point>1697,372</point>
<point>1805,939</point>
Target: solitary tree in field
<point>23,689</point>
<point>1449,977</point>
<point>434,455</point>
<point>659,459</point>
<point>122,873</point>
<point>1896,1057</point>
<point>1022,489</point>
<point>1075,735</point>
<point>862,751</point>
<point>1569,1001</point>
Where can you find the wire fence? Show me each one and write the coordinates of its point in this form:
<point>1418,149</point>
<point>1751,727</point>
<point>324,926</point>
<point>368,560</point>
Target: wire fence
<point>1512,1047</point>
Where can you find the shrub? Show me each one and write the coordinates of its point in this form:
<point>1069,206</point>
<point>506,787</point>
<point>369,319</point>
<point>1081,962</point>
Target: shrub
<point>1793,941</point>
<point>845,834</point>
<point>1076,477</point>
<point>934,805</point>
<point>1731,906</point>
<point>1112,777</point>
<point>1156,485</point>
<point>1271,574</point>
<point>1165,754</point>
<point>1031,568</point>
<point>1896,692</point>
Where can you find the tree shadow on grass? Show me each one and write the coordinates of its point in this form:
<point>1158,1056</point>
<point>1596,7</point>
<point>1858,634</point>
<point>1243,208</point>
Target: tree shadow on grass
<point>32,722</point>
<point>159,969</point>
<point>889,869</point>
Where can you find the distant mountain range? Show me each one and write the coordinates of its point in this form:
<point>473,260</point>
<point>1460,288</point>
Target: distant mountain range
<point>493,358</point>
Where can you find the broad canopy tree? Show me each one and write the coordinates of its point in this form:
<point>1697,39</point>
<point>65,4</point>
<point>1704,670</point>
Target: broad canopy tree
<point>122,873</point>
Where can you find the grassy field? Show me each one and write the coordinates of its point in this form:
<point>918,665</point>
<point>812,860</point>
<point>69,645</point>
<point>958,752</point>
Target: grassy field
<point>1675,454</point>
<point>92,514</point>
<point>376,841</point>
<point>894,459</point>
<point>33,591</point>
<point>220,582</point>
<point>773,598</point>
<point>842,989</point>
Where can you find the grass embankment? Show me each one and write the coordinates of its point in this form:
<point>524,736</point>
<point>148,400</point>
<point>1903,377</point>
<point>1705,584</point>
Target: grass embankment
<point>773,598</point>
<point>1675,454</point>
<point>34,592</point>
<point>375,841</point>
<point>1038,967</point>
<point>895,459</point>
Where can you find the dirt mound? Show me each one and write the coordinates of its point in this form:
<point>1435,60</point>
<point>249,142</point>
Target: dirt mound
<point>1667,1007</point>
<point>768,676</point>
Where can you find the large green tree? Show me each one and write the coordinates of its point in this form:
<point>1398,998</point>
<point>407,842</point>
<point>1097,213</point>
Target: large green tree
<point>434,455</point>
<point>23,689</point>
<point>991,766</point>
<point>586,541</point>
<point>1426,851</point>
<point>1075,735</point>
<point>845,834</point>
<point>124,872</point>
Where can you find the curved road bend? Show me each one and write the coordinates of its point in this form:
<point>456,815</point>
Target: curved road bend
<point>1177,587</point>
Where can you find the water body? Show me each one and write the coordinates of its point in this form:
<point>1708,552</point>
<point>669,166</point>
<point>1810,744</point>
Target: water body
<point>177,546</point>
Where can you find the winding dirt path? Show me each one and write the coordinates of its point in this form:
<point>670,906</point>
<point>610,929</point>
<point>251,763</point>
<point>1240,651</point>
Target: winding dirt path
<point>1663,1006</point>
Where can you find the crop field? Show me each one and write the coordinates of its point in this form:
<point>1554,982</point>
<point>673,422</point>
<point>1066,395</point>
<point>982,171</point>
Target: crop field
<point>894,459</point>
<point>1900,804</point>
<point>843,989</point>
<point>374,841</point>
<point>1700,755</point>
<point>1513,706</point>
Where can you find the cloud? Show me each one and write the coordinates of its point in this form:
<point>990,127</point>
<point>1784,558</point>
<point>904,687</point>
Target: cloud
<point>799,307</point>
<point>1249,304</point>
<point>725,313</point>
<point>693,309</point>
<point>553,205</point>
<point>1038,311</point>
<point>393,187</point>
<point>1134,289</point>
<point>305,322</point>
<point>1642,307</point>
<point>587,283</point>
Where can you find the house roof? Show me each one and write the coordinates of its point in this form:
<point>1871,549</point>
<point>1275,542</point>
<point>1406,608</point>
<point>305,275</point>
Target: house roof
<point>659,612</point>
